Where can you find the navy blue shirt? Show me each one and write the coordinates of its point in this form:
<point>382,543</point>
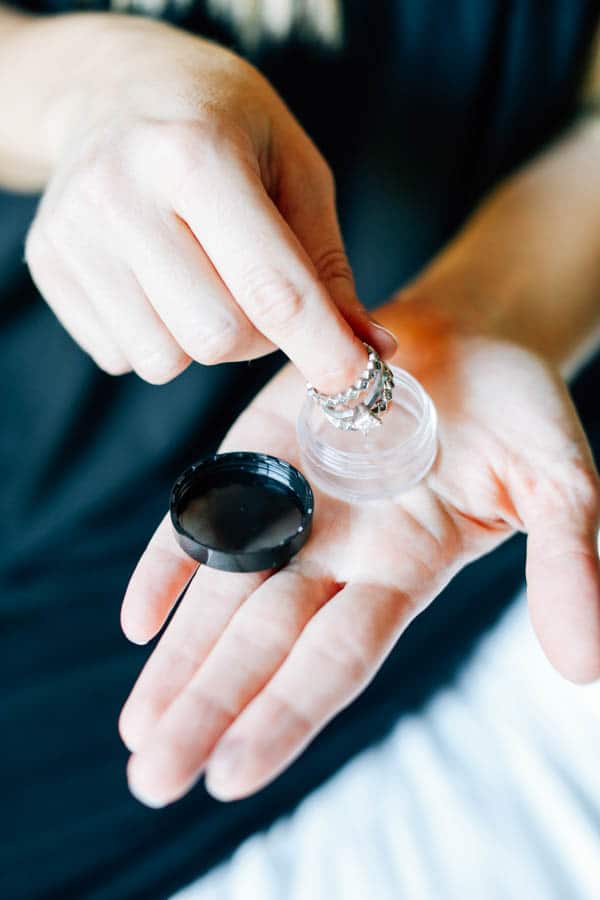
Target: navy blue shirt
<point>427,105</point>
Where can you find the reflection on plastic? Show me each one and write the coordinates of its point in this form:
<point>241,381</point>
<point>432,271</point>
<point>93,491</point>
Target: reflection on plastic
<point>379,465</point>
<point>241,516</point>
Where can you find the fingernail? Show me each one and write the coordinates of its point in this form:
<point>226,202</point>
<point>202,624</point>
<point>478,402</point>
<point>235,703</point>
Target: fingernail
<point>382,338</point>
<point>223,768</point>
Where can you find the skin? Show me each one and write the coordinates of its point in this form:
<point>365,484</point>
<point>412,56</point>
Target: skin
<point>227,691</point>
<point>198,159</point>
<point>185,214</point>
<point>236,655</point>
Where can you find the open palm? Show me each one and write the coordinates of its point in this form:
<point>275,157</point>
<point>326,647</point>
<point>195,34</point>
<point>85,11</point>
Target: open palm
<point>251,667</point>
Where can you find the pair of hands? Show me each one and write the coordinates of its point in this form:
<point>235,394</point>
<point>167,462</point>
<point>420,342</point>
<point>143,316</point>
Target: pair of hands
<point>189,217</point>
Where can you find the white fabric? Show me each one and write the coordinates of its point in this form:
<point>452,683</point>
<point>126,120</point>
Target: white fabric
<point>491,793</point>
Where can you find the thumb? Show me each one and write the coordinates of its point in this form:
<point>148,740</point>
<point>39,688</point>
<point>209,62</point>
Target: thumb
<point>317,228</point>
<point>563,571</point>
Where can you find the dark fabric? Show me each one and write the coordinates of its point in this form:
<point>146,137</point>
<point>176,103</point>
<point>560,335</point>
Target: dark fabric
<point>426,107</point>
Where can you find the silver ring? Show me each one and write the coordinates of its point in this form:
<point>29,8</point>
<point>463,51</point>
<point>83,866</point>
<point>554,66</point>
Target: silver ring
<point>360,406</point>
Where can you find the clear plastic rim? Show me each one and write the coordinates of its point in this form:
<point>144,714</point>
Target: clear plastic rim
<point>383,471</point>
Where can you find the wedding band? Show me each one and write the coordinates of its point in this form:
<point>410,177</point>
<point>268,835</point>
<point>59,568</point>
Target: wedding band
<point>331,401</point>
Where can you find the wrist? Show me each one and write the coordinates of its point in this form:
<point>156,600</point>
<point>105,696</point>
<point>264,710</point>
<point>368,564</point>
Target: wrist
<point>39,76</point>
<point>524,268</point>
<point>58,74</point>
<point>93,84</point>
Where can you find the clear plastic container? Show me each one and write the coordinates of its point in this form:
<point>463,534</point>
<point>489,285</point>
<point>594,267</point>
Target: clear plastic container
<point>381,464</point>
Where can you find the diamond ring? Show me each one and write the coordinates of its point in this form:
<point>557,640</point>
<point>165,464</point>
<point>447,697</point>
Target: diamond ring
<point>360,406</point>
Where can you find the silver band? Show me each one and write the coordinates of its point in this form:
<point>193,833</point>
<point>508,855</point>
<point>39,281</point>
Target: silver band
<point>360,406</point>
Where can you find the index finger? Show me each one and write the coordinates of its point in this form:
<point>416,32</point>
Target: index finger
<point>269,273</point>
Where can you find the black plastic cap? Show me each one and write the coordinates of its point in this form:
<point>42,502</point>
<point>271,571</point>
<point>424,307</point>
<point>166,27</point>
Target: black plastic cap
<point>242,512</point>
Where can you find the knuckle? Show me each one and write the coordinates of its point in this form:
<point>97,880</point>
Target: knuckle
<point>323,175</point>
<point>310,182</point>
<point>60,227</point>
<point>340,654</point>
<point>563,493</point>
<point>216,130</point>
<point>332,264</point>
<point>159,365</point>
<point>38,249</point>
<point>272,300</point>
<point>214,127</point>
<point>213,707</point>
<point>287,709</point>
<point>220,345</point>
<point>586,490</point>
<point>99,184</point>
<point>126,729</point>
<point>112,364</point>
<point>577,489</point>
<point>188,155</point>
<point>273,637</point>
<point>193,147</point>
<point>179,142</point>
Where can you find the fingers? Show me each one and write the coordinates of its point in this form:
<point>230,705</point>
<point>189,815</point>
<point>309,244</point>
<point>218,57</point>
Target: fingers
<point>563,573</point>
<point>256,641</point>
<point>269,273</point>
<point>211,601</point>
<point>161,575</point>
<point>205,266</point>
<point>71,306</point>
<point>125,311</point>
<point>187,293</point>
<point>112,298</point>
<point>336,655</point>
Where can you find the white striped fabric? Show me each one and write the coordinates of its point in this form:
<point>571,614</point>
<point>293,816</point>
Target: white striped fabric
<point>491,793</point>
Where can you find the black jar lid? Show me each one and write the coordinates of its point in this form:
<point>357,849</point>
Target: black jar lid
<point>242,512</point>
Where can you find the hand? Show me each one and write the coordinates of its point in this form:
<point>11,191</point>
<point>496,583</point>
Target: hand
<point>251,667</point>
<point>188,216</point>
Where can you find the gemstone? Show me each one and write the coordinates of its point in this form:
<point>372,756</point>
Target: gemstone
<point>364,419</point>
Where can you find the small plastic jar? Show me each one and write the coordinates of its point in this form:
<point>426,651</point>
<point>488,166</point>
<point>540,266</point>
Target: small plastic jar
<point>380,464</point>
